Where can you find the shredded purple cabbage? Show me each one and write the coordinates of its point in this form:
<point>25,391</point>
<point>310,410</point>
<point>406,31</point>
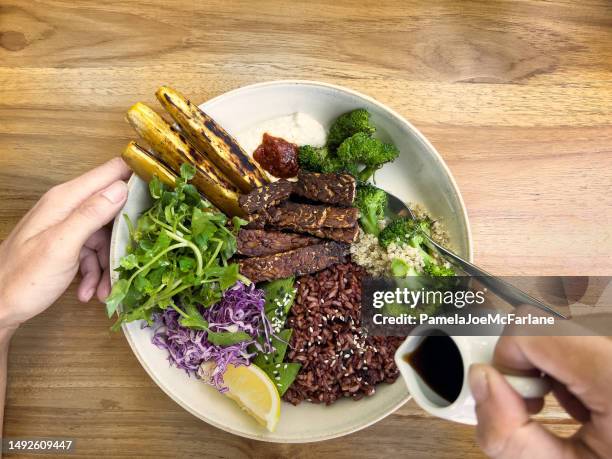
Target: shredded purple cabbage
<point>240,309</point>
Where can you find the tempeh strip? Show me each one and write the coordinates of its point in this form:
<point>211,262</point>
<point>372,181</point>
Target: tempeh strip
<point>291,215</point>
<point>338,189</point>
<point>266,196</point>
<point>300,261</point>
<point>256,243</point>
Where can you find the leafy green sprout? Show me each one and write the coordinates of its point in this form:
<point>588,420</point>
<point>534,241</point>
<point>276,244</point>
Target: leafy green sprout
<point>178,257</point>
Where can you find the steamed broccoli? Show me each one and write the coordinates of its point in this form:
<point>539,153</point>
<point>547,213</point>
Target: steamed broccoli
<point>404,230</point>
<point>372,203</point>
<point>361,148</point>
<point>349,124</point>
<point>435,270</point>
<point>332,164</point>
<point>412,232</point>
<point>399,268</point>
<point>313,158</point>
<point>319,159</point>
<point>350,148</point>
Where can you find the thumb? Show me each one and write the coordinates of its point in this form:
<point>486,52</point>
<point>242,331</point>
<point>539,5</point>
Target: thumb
<point>504,429</point>
<point>92,214</point>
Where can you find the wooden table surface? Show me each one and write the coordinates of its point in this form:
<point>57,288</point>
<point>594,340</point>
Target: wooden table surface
<point>516,96</point>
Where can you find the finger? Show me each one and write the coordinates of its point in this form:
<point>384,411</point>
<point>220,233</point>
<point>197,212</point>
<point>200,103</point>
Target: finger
<point>91,215</point>
<point>504,429</point>
<point>100,243</point>
<point>80,188</point>
<point>534,405</point>
<point>581,363</point>
<point>570,403</point>
<point>104,287</point>
<point>61,200</point>
<point>90,271</point>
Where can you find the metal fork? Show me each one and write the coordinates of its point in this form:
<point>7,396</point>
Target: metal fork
<point>501,288</point>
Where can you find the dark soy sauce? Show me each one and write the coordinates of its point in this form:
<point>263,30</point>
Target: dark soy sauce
<point>439,364</point>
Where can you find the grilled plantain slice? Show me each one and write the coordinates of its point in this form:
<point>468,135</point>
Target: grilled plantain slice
<point>145,165</point>
<point>210,138</point>
<point>173,149</point>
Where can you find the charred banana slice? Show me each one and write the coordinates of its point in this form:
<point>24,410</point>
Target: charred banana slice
<point>214,141</point>
<point>173,149</point>
<point>146,166</point>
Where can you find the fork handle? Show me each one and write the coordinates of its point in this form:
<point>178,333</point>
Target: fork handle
<point>501,288</point>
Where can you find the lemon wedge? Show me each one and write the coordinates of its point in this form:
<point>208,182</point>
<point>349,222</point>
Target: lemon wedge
<point>254,392</point>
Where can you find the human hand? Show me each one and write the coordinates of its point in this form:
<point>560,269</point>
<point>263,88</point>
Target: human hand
<point>582,372</point>
<point>63,232</point>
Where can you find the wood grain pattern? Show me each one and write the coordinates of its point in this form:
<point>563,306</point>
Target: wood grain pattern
<point>516,96</point>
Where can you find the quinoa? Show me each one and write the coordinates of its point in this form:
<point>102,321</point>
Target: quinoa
<point>438,231</point>
<point>367,252</point>
<point>338,358</point>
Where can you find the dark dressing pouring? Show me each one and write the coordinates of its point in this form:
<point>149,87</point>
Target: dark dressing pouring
<point>438,362</point>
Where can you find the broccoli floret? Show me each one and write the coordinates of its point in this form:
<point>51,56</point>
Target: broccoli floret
<point>361,148</point>
<point>313,158</point>
<point>412,232</point>
<point>436,270</point>
<point>372,203</point>
<point>350,149</point>
<point>364,174</point>
<point>404,230</point>
<point>399,268</point>
<point>349,124</point>
<point>332,164</point>
<point>319,159</point>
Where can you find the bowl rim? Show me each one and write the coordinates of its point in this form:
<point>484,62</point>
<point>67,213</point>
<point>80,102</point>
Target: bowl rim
<point>466,225</point>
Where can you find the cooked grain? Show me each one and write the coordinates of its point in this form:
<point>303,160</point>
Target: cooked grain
<point>338,358</point>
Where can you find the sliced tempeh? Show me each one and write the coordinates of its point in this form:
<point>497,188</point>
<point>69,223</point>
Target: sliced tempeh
<point>338,189</point>
<point>298,216</point>
<point>297,262</point>
<point>347,235</point>
<point>175,150</point>
<point>214,141</point>
<point>256,242</point>
<point>266,196</point>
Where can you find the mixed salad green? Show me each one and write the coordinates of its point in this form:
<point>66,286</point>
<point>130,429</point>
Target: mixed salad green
<point>177,276</point>
<point>178,256</point>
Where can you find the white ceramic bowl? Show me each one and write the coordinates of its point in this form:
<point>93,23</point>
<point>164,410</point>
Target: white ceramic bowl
<point>418,175</point>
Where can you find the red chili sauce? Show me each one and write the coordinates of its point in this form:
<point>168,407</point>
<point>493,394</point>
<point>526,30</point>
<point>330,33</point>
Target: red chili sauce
<point>277,156</point>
